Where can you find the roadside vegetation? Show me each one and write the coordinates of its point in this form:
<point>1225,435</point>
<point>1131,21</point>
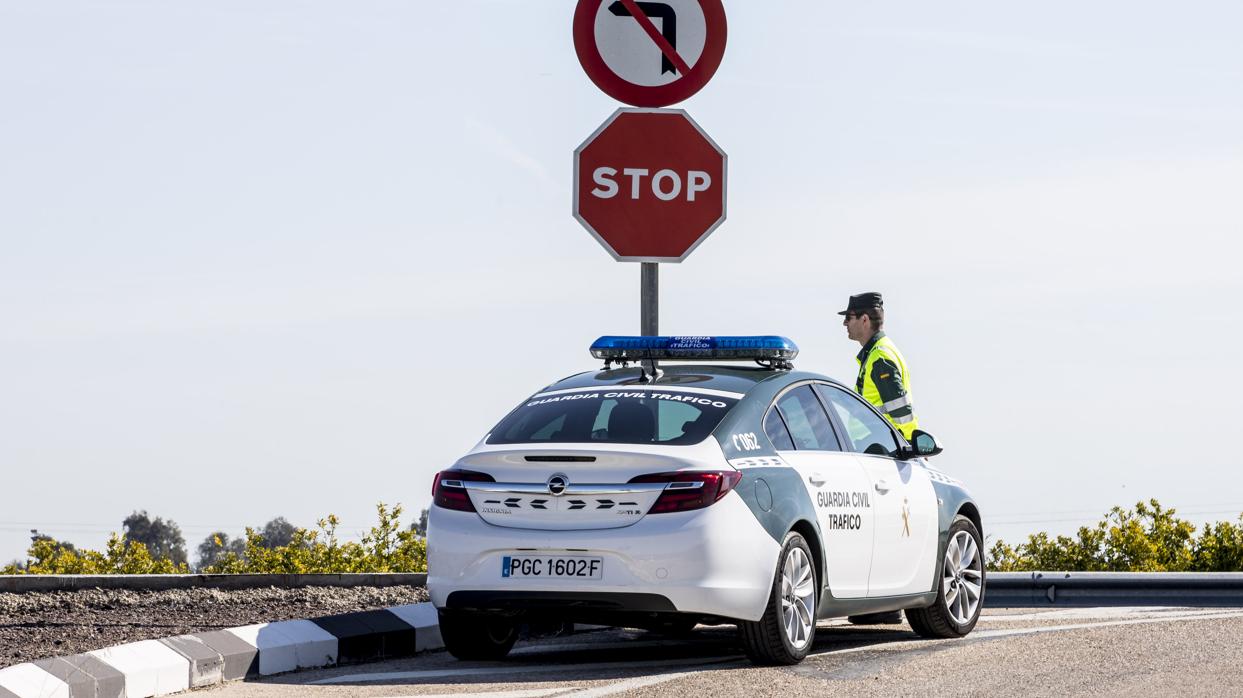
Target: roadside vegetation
<point>1148,538</point>
<point>276,548</point>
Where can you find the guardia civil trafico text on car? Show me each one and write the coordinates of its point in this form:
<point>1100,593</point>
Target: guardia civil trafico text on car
<point>676,486</point>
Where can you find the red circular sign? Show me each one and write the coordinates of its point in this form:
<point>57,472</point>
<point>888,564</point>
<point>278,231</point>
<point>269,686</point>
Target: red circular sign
<point>637,62</point>
<point>649,184</point>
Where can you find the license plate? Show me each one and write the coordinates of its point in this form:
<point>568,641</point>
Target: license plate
<point>551,567</point>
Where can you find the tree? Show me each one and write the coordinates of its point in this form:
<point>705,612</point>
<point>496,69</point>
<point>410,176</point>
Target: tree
<point>420,527</point>
<point>162,538</point>
<point>59,545</point>
<point>1148,538</point>
<point>1220,547</point>
<point>215,546</point>
<point>277,533</point>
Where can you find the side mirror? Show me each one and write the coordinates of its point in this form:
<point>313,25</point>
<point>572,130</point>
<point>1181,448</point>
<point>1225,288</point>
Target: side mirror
<point>925,444</point>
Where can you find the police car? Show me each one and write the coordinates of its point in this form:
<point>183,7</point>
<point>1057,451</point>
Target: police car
<point>660,495</point>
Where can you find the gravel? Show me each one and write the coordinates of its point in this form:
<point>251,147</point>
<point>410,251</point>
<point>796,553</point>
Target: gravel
<point>47,624</point>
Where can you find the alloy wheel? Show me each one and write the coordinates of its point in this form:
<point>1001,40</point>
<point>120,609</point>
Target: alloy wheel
<point>798,598</point>
<point>962,577</point>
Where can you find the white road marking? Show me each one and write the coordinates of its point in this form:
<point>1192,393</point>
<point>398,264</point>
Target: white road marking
<point>522,693</point>
<point>501,670</point>
<point>571,646</point>
<point>1106,624</point>
<point>990,634</point>
<point>1095,612</point>
<point>597,692</point>
<point>630,684</point>
<point>698,664</point>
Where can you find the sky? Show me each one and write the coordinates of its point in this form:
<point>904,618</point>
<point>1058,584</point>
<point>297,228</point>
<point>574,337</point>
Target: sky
<point>291,259</point>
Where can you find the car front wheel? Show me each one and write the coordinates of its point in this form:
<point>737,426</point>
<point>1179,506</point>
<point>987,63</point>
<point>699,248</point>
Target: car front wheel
<point>784,634</point>
<point>960,589</point>
<point>477,635</point>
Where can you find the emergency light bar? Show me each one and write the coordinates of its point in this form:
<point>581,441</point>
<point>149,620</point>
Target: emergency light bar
<point>759,348</point>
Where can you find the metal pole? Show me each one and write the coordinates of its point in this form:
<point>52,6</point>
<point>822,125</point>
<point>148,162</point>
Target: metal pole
<point>649,298</point>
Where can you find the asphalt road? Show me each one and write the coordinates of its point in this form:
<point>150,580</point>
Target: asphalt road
<point>1065,652</point>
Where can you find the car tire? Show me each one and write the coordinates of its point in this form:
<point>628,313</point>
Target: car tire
<point>787,630</point>
<point>477,635</point>
<point>960,586</point>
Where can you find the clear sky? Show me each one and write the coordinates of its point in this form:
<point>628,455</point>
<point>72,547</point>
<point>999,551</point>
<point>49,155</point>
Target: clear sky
<point>262,259</point>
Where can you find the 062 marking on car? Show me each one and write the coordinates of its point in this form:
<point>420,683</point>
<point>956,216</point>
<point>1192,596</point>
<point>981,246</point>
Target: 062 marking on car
<point>746,442</point>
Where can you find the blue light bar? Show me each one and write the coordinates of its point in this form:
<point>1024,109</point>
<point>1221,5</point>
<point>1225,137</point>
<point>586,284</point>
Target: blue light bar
<point>691,348</point>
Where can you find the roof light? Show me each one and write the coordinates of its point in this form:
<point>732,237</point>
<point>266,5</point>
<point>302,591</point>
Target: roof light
<point>762,347</point>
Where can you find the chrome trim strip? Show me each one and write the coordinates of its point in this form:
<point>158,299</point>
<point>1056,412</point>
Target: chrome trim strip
<point>539,488</point>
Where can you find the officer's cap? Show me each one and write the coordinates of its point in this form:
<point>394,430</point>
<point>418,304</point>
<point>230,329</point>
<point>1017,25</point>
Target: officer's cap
<point>863,301</point>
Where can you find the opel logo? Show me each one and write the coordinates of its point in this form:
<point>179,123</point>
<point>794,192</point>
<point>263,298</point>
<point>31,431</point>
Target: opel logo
<point>557,484</point>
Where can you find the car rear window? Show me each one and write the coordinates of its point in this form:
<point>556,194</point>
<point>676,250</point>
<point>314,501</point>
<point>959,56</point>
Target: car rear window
<point>632,416</point>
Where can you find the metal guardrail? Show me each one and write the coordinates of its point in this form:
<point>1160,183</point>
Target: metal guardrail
<point>19,583</point>
<point>1004,589</point>
<point>1033,589</point>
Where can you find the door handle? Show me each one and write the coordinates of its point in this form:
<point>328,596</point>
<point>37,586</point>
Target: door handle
<point>816,479</point>
<point>882,486</point>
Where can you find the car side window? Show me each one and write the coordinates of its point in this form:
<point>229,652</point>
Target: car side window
<point>805,417</point>
<point>776,431</point>
<point>866,430</point>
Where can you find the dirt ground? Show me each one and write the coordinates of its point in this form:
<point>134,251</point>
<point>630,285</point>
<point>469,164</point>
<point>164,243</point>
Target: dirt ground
<point>38,625</point>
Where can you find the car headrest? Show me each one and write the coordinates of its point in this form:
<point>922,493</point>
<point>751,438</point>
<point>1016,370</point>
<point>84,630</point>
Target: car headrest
<point>633,422</point>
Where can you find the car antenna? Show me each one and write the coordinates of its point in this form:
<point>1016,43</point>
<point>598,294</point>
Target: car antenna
<point>649,371</point>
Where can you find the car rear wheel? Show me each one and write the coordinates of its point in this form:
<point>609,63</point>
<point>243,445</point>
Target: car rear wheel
<point>784,634</point>
<point>960,591</point>
<point>477,635</point>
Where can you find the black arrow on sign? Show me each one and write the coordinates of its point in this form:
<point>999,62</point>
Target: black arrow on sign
<point>668,26</point>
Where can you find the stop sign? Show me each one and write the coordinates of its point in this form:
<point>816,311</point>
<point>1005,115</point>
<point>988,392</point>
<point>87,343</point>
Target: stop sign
<point>649,184</point>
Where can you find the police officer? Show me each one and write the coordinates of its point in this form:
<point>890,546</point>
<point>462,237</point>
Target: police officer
<point>883,378</point>
<point>883,381</point>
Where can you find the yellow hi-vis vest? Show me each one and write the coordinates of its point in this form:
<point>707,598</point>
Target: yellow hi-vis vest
<point>885,382</point>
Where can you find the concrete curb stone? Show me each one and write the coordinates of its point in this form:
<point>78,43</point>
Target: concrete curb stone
<point>206,665</point>
<point>86,675</point>
<point>176,664</point>
<point>239,659</point>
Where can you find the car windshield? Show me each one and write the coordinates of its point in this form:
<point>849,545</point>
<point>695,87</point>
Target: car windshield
<point>628,416</point>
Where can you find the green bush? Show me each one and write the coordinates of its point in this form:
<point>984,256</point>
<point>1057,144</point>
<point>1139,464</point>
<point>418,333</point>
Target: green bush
<point>121,557</point>
<point>385,548</point>
<point>1149,538</point>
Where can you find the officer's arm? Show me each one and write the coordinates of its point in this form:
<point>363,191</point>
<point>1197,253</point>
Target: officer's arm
<point>895,401</point>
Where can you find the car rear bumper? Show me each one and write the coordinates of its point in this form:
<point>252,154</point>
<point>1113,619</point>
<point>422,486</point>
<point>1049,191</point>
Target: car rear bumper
<point>716,561</point>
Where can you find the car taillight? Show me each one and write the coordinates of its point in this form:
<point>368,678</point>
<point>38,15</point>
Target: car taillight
<point>448,490</point>
<point>691,489</point>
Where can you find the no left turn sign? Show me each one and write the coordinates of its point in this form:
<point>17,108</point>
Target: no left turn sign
<point>649,54</point>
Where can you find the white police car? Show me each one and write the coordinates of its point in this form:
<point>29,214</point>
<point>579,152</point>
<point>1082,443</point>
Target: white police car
<point>663,497</point>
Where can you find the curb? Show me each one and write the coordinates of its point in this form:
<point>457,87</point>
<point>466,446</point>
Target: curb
<point>175,664</point>
<point>21,583</point>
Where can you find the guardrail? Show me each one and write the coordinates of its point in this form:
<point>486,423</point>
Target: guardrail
<point>1030,589</point>
<point>1004,589</point>
<point>157,582</point>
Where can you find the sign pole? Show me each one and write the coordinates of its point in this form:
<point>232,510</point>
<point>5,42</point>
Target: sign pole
<point>649,298</point>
